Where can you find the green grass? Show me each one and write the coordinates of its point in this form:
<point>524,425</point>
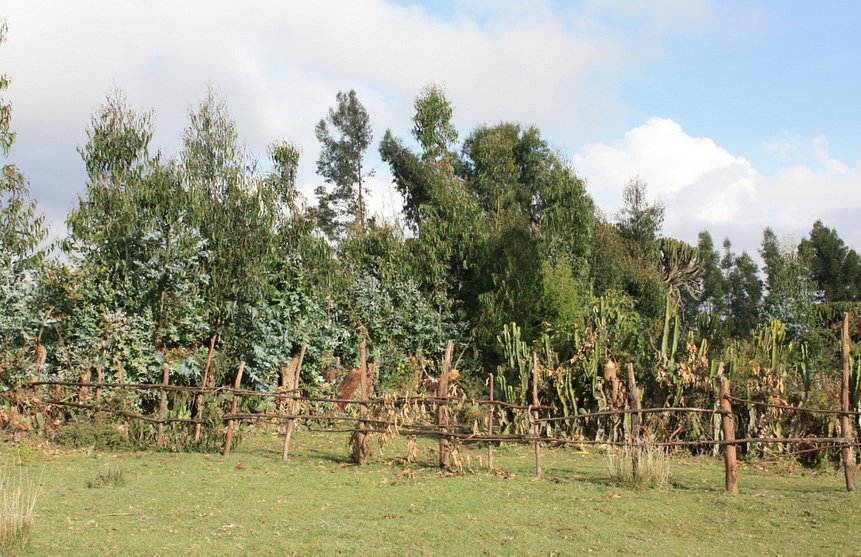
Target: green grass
<point>316,504</point>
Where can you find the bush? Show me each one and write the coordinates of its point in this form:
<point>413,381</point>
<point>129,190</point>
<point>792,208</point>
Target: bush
<point>101,437</point>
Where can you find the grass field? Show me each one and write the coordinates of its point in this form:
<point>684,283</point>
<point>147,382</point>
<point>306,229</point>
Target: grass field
<point>317,504</point>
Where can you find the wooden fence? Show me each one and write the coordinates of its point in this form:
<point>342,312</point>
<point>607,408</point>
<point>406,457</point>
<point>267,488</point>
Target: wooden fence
<point>89,397</point>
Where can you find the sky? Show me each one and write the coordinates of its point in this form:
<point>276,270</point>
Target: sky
<point>737,114</point>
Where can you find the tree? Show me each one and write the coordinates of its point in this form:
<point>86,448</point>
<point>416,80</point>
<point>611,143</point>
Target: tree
<point>790,295</point>
<point>22,231</point>
<point>344,136</point>
<point>212,159</point>
<point>832,268</point>
<point>21,227</point>
<point>419,178</point>
<point>639,222</point>
<point>713,281</point>
<point>137,258</point>
<point>117,159</point>
<point>432,126</point>
<point>503,229</point>
<point>743,295</point>
<point>237,212</point>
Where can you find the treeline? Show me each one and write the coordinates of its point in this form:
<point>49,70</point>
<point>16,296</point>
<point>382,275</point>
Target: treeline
<point>178,257</point>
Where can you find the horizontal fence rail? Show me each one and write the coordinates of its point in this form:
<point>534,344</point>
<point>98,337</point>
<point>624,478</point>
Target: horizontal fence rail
<point>290,401</point>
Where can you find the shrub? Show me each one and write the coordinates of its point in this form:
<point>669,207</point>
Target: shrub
<point>101,437</point>
<point>25,453</point>
<point>653,465</point>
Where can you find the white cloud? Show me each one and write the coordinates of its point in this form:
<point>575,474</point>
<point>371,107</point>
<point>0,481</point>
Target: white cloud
<point>279,64</point>
<point>706,187</point>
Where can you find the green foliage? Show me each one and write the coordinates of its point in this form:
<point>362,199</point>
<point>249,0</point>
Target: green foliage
<point>639,222</point>
<point>743,292</point>
<point>97,436</point>
<point>344,136</point>
<point>432,125</point>
<point>614,268</point>
<point>791,295</point>
<point>834,268</point>
<point>502,251</point>
<point>22,231</point>
<point>514,376</point>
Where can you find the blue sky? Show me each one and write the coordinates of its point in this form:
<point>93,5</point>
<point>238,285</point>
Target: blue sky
<point>793,71</point>
<point>739,114</point>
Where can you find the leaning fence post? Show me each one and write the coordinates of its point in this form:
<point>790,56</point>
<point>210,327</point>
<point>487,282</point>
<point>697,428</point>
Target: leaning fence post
<point>162,406</point>
<point>728,430</point>
<point>490,425</point>
<point>198,399</point>
<point>634,404</point>
<point>293,406</point>
<point>536,426</point>
<point>442,407</point>
<point>845,428</point>
<point>231,422</point>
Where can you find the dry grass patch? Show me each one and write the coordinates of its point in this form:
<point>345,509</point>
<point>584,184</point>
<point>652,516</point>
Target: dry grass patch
<point>652,470</point>
<point>18,496</point>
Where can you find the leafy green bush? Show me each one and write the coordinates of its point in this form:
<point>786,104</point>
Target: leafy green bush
<point>101,437</point>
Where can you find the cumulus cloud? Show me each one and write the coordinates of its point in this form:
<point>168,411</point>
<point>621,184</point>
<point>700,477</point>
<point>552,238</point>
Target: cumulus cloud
<point>705,187</point>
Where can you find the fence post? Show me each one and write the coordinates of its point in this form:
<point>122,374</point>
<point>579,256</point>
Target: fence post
<point>98,382</point>
<point>198,399</point>
<point>536,426</point>
<point>845,428</point>
<point>231,423</point>
<point>121,379</point>
<point>162,405</point>
<point>293,406</point>
<point>84,392</point>
<point>634,404</point>
<point>490,425</point>
<point>360,439</point>
<point>442,407</point>
<point>728,430</point>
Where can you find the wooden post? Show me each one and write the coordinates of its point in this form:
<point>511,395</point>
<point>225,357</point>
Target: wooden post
<point>536,426</point>
<point>98,383</point>
<point>442,407</point>
<point>490,425</point>
<point>121,379</point>
<point>728,430</point>
<point>293,406</point>
<point>84,392</point>
<point>360,441</point>
<point>845,427</point>
<point>162,406</point>
<point>198,399</point>
<point>634,404</point>
<point>231,423</point>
